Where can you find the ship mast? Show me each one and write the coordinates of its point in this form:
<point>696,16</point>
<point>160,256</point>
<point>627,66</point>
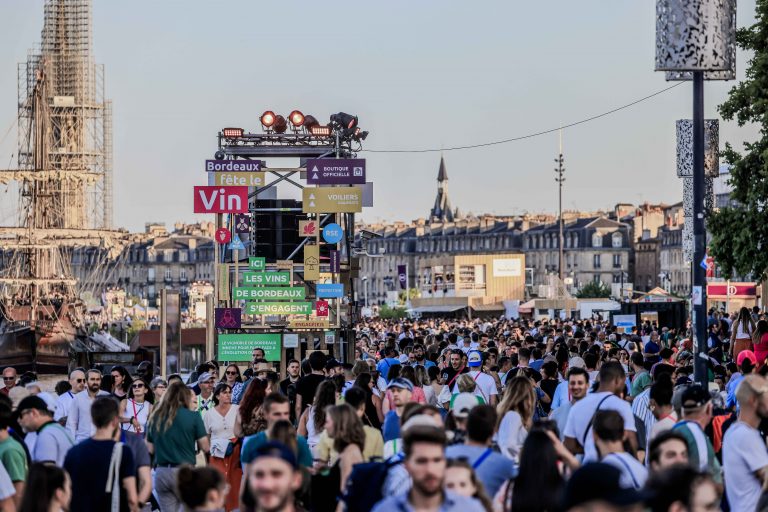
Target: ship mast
<point>64,172</point>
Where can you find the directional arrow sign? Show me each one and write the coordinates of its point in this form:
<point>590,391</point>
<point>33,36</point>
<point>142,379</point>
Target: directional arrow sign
<point>336,171</point>
<point>332,200</point>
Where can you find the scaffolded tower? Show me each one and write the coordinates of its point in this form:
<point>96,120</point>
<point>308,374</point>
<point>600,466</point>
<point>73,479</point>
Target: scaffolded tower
<point>65,179</point>
<point>65,123</point>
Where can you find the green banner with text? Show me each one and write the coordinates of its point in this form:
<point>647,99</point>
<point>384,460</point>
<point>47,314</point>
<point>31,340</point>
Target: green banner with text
<point>270,292</point>
<point>267,278</point>
<point>239,347</point>
<point>278,308</point>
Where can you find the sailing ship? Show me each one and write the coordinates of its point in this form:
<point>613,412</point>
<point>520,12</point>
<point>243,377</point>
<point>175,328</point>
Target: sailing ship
<point>64,184</point>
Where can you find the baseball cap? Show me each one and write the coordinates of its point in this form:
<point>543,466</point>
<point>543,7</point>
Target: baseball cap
<point>331,364</point>
<point>204,377</point>
<point>694,396</point>
<point>462,404</point>
<point>32,402</point>
<point>277,450</point>
<point>401,383</point>
<point>599,481</point>
<point>746,354</point>
<point>474,358</point>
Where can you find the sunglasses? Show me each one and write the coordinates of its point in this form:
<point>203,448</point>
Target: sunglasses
<point>231,373</point>
<point>137,386</point>
<point>9,378</point>
<point>79,381</point>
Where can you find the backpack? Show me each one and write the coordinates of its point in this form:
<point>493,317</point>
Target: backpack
<point>364,487</point>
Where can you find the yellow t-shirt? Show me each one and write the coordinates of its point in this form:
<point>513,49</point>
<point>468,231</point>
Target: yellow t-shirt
<point>374,446</point>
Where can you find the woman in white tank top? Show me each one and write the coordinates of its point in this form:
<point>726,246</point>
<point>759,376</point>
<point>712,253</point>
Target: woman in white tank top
<point>135,409</point>
<point>741,333</point>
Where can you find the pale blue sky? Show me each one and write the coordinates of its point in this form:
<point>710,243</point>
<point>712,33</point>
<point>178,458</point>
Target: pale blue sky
<point>419,74</point>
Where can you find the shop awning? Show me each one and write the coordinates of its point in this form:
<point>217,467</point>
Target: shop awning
<point>438,309</point>
<point>527,307</point>
<point>489,307</point>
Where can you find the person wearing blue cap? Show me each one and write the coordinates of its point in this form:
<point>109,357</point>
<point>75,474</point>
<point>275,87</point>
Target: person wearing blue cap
<point>272,479</point>
<point>402,390</point>
<point>486,386</point>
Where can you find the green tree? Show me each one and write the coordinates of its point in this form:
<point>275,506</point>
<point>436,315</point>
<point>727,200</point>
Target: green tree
<point>594,290</point>
<point>388,313</point>
<point>740,233</point>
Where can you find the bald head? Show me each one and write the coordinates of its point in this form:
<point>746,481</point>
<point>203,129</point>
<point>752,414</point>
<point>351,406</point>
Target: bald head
<point>77,380</point>
<point>752,393</point>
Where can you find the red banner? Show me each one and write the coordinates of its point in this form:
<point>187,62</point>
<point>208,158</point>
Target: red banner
<point>221,199</point>
<point>732,290</point>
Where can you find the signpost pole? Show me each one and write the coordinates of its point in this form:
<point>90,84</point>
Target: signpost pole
<point>210,314</point>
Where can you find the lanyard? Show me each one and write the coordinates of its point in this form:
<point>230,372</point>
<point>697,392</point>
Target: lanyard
<point>135,414</point>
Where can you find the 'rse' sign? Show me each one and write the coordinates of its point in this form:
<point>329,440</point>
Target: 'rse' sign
<point>221,199</point>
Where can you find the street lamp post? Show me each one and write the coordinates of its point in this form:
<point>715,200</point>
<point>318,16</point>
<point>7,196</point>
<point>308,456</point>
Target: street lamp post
<point>365,291</point>
<point>560,179</point>
<point>696,40</point>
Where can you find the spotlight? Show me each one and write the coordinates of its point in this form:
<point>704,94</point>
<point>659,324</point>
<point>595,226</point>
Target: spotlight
<point>360,135</point>
<point>280,124</point>
<point>296,118</point>
<point>345,121</point>
<point>232,132</point>
<point>219,155</point>
<point>310,122</point>
<point>267,119</point>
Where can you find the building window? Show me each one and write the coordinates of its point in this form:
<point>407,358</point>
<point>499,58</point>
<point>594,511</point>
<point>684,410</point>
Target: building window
<point>167,274</point>
<point>617,261</point>
<point>575,242</point>
<point>182,274</point>
<point>596,261</point>
<point>597,240</point>
<point>596,278</point>
<point>183,256</point>
<point>616,239</point>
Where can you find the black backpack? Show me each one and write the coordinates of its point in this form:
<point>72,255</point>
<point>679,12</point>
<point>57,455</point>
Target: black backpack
<point>364,487</point>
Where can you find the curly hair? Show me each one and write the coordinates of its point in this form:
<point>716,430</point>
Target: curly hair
<point>253,398</point>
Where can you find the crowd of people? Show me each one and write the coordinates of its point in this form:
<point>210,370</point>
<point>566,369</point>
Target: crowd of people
<point>432,415</point>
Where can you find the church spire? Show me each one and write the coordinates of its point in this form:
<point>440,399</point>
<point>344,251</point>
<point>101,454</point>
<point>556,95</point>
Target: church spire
<point>442,211</point>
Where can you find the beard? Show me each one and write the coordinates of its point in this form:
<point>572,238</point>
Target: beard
<point>429,486</point>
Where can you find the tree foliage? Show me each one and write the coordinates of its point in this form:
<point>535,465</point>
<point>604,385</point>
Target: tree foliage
<point>740,232</point>
<point>594,290</point>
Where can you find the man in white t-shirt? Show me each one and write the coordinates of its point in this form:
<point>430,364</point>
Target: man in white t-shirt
<point>745,459</point>
<point>486,386</point>
<point>77,381</point>
<point>578,428</point>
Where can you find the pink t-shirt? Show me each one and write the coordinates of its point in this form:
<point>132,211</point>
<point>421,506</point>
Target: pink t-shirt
<point>416,396</point>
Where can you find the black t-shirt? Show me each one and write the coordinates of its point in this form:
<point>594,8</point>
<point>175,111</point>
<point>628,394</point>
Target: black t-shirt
<point>449,373</point>
<point>306,388</point>
<point>88,466</point>
<point>548,386</point>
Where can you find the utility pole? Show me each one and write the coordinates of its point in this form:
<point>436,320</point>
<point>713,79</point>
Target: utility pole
<point>560,179</point>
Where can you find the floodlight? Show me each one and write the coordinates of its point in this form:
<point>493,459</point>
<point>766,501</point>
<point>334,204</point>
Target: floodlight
<point>280,124</point>
<point>267,119</point>
<point>345,121</point>
<point>220,155</point>
<point>296,118</point>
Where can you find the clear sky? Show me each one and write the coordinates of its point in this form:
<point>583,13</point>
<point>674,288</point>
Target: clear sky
<point>419,74</point>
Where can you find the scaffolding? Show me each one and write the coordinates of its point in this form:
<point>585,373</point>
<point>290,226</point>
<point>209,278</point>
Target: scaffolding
<point>65,124</point>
